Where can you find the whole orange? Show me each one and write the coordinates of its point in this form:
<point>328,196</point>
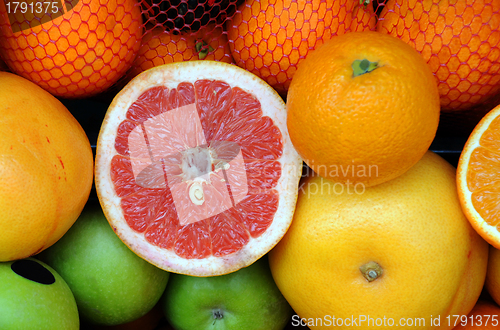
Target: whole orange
<point>362,108</point>
<point>271,37</point>
<point>459,39</point>
<point>46,166</point>
<point>393,255</point>
<point>161,47</point>
<point>77,49</point>
<point>484,316</point>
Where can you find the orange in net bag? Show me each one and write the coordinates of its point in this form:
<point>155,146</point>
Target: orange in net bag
<point>160,46</point>
<point>73,49</point>
<point>460,40</point>
<point>270,37</point>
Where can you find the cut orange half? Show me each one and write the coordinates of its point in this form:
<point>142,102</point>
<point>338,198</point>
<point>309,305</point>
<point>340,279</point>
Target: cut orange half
<point>478,178</point>
<point>195,170</point>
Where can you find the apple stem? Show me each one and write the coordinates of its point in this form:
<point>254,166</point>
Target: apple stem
<point>218,314</point>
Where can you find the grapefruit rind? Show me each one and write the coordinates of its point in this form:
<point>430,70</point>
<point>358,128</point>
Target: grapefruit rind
<point>170,75</point>
<point>488,232</point>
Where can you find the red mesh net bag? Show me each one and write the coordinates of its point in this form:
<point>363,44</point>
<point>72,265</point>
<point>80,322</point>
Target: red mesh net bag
<point>460,40</point>
<point>268,38</point>
<point>80,48</point>
<point>88,45</point>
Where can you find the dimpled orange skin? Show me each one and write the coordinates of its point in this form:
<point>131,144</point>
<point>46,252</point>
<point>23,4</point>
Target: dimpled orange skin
<point>78,54</point>
<point>162,47</point>
<point>459,39</point>
<point>270,38</point>
<point>46,168</point>
<point>432,261</point>
<point>366,129</point>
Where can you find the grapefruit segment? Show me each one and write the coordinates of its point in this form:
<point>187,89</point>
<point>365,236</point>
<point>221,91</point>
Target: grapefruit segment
<point>478,178</point>
<point>194,167</point>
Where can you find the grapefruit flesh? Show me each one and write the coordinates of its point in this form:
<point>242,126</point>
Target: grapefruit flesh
<point>195,169</point>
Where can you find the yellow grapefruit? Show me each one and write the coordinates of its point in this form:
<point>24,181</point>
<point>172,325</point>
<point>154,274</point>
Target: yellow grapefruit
<point>401,250</point>
<point>46,168</point>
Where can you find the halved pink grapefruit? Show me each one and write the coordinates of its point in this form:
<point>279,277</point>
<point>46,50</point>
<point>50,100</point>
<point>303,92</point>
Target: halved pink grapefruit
<point>195,170</point>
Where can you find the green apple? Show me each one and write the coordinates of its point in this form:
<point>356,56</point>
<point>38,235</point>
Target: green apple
<point>111,284</point>
<point>247,299</point>
<point>34,296</point>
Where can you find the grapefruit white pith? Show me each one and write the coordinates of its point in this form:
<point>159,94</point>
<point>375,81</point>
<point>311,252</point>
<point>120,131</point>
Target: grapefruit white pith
<point>195,170</point>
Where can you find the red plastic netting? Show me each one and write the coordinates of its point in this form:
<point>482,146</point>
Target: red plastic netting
<point>87,46</point>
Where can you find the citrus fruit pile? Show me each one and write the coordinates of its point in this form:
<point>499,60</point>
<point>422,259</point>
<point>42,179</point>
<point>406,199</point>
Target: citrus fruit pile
<point>250,164</point>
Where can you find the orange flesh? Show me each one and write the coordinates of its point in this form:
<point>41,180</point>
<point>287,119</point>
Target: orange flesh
<point>483,175</point>
<point>226,114</point>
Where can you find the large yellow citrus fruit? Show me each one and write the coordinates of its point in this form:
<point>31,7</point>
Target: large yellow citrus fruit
<point>362,108</point>
<point>402,250</point>
<point>45,168</point>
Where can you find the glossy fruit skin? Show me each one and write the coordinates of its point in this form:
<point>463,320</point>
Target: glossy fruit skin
<point>432,260</point>
<point>110,283</point>
<point>271,38</point>
<point>27,304</point>
<point>75,55</point>
<point>460,41</point>
<point>47,163</point>
<point>364,129</point>
<point>247,299</point>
